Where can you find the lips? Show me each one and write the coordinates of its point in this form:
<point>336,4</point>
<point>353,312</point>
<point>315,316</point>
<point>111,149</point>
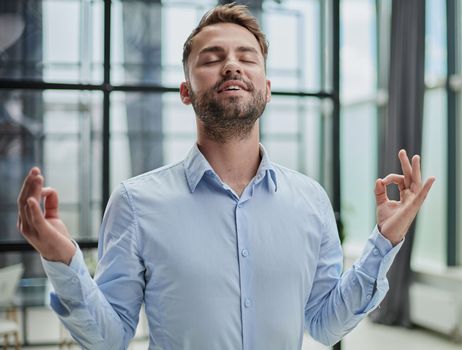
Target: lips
<point>233,85</point>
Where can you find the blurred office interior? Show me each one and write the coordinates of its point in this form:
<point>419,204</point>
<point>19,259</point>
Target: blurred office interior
<point>89,92</point>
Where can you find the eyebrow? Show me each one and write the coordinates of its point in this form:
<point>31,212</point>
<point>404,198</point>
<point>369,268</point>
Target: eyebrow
<point>217,49</point>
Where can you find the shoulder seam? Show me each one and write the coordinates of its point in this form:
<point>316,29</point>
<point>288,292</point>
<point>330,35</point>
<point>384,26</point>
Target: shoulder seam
<point>135,218</point>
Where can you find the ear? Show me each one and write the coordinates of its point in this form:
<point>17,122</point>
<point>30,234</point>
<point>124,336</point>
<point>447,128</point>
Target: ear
<point>184,93</point>
<point>268,91</point>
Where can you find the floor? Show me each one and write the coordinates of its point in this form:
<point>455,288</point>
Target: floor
<point>365,337</point>
<point>369,336</point>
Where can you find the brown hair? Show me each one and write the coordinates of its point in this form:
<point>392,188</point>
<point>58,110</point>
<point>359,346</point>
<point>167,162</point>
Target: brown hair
<point>229,13</point>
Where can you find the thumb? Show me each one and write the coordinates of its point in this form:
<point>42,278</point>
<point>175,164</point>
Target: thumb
<point>380,192</point>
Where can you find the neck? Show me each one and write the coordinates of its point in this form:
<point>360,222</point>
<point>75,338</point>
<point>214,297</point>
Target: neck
<point>235,161</point>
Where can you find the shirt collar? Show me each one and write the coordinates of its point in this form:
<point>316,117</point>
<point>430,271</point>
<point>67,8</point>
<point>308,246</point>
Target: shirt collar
<point>266,168</point>
<point>196,166</point>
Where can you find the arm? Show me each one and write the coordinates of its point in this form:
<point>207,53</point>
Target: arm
<point>101,314</point>
<point>337,303</point>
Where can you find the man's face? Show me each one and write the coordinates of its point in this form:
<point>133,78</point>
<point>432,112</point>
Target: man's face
<point>227,84</point>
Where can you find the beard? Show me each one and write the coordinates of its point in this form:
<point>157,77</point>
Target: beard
<point>230,118</point>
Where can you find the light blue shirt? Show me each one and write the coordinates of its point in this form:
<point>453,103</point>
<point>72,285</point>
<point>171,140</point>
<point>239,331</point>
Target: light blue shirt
<point>216,271</point>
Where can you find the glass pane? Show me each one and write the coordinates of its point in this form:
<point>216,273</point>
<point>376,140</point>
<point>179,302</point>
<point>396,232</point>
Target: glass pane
<point>54,130</point>
<point>21,144</point>
<point>291,131</point>
<point>52,40</point>
<point>430,239</point>
<point>33,288</point>
<point>148,40</point>
<point>148,130</point>
<point>32,268</point>
<point>358,50</point>
<point>358,152</point>
<point>435,40</point>
<point>295,53</point>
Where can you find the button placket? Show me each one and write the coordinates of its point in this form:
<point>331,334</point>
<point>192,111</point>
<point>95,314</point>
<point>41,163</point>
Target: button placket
<point>245,270</point>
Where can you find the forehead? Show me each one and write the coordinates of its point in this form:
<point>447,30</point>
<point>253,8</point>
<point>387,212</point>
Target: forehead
<point>226,35</point>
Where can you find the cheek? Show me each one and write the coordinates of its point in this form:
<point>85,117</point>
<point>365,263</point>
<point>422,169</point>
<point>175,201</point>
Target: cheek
<point>261,85</point>
<point>202,80</point>
<point>258,78</point>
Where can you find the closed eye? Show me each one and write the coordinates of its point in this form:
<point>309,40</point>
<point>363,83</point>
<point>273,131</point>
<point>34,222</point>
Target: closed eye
<point>211,62</point>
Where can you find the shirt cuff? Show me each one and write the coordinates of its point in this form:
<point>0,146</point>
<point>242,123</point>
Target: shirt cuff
<point>378,255</point>
<point>69,281</point>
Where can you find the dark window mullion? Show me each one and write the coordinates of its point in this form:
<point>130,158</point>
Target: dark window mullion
<point>106,105</point>
<point>451,241</point>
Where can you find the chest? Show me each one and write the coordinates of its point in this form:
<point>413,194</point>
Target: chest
<point>212,241</point>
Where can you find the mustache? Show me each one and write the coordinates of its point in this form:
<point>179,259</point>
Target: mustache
<point>248,84</point>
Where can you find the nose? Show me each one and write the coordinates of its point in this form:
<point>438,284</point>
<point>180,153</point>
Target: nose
<point>231,68</point>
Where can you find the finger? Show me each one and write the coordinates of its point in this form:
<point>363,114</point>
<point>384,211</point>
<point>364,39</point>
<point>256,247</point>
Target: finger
<point>395,179</point>
<point>28,227</point>
<point>31,233</point>
<point>416,174</point>
<point>380,192</point>
<point>406,167</point>
<point>26,186</point>
<point>19,222</point>
<point>36,216</point>
<point>425,189</point>
<point>46,191</point>
<point>28,232</point>
<point>36,188</point>
<point>35,192</point>
<point>23,195</point>
<point>51,202</point>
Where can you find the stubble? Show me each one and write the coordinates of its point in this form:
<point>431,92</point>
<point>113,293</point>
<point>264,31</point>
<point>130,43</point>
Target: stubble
<point>230,118</point>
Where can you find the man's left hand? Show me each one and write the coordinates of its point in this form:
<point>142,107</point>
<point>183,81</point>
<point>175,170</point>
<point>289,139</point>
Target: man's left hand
<point>395,217</point>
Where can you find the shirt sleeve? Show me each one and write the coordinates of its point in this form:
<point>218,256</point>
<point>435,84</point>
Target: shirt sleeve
<point>102,313</point>
<point>337,302</point>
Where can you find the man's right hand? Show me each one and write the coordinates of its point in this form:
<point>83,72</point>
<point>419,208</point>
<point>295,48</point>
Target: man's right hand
<point>43,230</point>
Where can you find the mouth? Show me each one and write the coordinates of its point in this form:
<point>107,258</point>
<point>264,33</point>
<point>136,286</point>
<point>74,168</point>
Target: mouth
<point>232,86</point>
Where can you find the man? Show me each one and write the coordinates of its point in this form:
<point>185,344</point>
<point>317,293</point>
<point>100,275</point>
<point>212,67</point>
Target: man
<point>226,249</point>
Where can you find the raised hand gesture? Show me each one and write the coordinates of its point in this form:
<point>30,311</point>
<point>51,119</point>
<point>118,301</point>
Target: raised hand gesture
<point>43,230</point>
<point>395,217</point>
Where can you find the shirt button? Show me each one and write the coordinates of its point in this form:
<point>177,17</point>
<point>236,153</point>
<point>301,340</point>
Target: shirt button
<point>244,252</point>
<point>247,303</point>
<point>75,279</point>
<point>375,251</point>
<point>369,297</point>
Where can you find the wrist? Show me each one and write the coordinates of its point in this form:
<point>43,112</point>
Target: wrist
<point>391,238</point>
<point>64,253</point>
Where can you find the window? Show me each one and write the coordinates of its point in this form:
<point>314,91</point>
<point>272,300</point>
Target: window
<point>359,118</point>
<point>90,119</point>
